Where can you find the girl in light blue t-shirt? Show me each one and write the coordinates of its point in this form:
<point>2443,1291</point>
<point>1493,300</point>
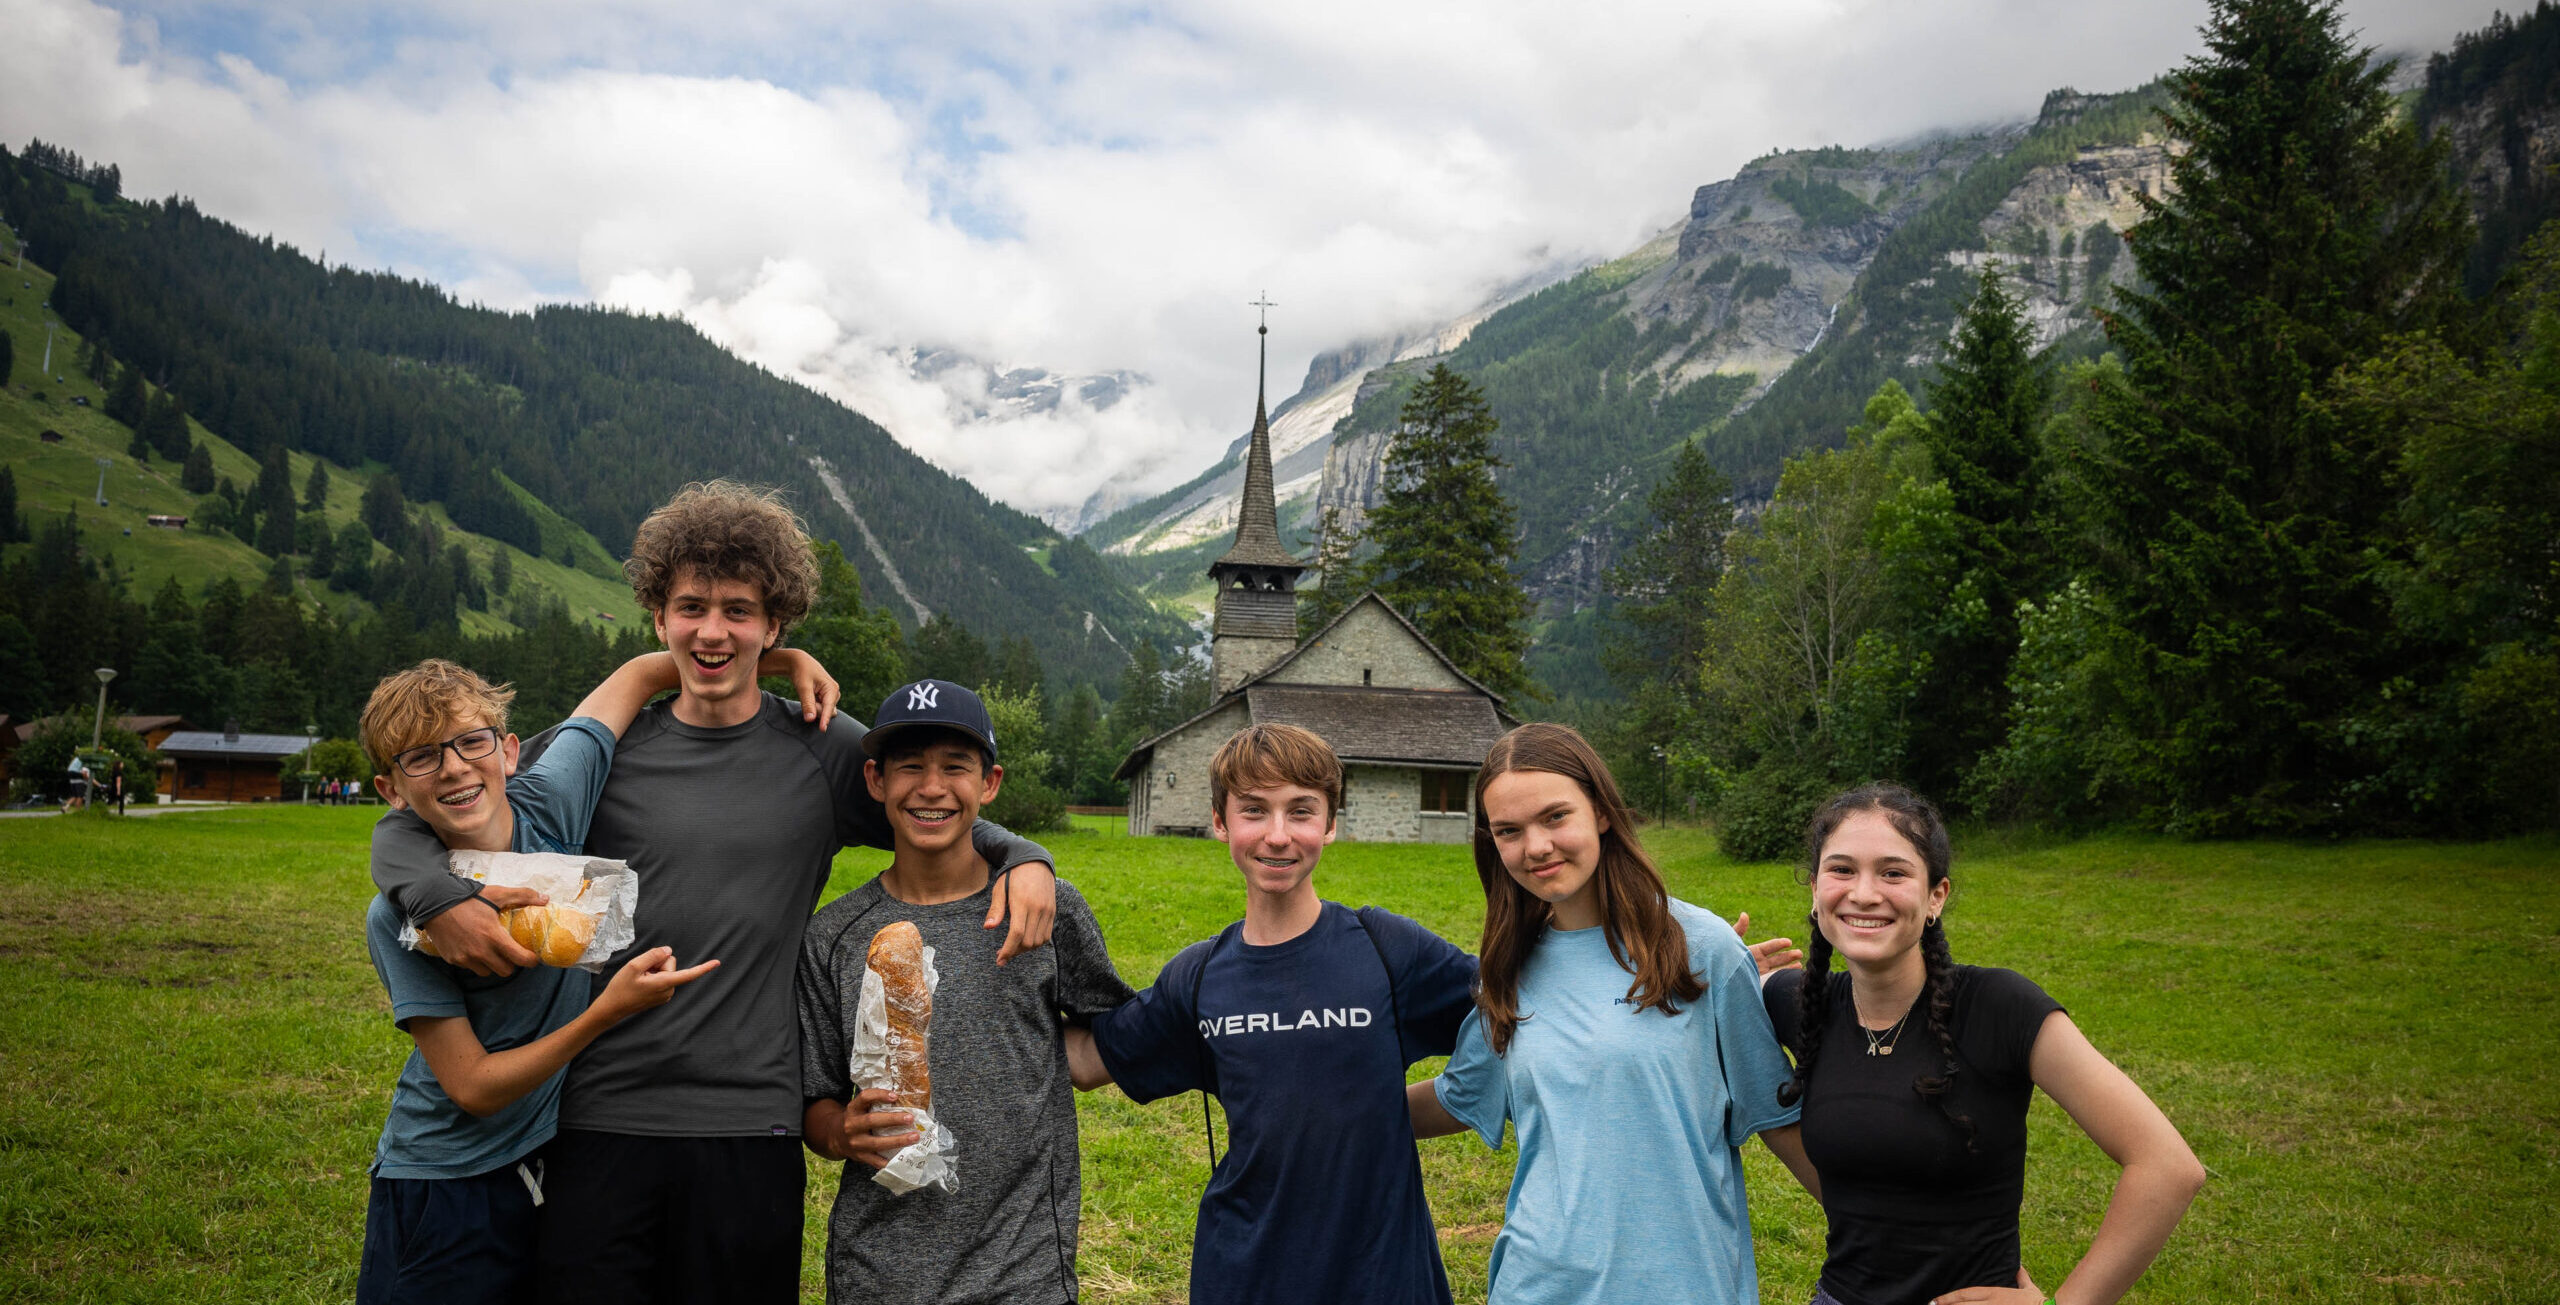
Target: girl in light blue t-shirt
<point>1620,1032</point>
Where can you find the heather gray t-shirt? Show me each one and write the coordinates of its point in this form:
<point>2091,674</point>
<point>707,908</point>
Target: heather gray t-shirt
<point>732,832</point>
<point>1000,1085</point>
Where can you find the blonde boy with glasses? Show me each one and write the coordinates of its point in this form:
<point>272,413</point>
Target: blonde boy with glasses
<point>457,1172</point>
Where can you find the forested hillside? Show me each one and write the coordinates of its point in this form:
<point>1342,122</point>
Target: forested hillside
<point>597,414</point>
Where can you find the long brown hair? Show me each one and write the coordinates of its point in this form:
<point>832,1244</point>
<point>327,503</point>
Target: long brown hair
<point>1635,909</point>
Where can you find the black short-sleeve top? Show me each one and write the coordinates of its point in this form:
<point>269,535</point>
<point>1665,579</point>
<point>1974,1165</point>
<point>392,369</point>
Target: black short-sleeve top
<point>1914,1210</point>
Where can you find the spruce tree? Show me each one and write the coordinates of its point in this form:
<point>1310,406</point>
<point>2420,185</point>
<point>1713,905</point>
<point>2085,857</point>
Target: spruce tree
<point>1666,582</point>
<point>502,570</point>
<point>1985,438</point>
<point>383,511</point>
<point>315,488</point>
<point>126,399</point>
<point>164,426</point>
<point>11,528</point>
<point>1341,580</point>
<point>273,494</point>
<point>1446,536</point>
<point>2232,511</point>
<point>196,477</point>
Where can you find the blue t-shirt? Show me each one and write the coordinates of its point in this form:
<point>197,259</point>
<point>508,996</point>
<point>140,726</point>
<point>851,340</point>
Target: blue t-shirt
<point>427,1135</point>
<point>1629,1182</point>
<point>1319,1196</point>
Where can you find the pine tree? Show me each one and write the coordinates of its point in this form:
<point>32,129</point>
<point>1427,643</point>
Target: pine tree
<point>126,400</point>
<point>2233,512</point>
<point>12,529</point>
<point>1666,583</point>
<point>1665,589</point>
<point>139,447</point>
<point>315,488</point>
<point>1341,578</point>
<point>164,426</point>
<point>1446,536</point>
<point>502,570</point>
<point>273,494</point>
<point>383,511</point>
<point>1984,434</point>
<point>196,477</point>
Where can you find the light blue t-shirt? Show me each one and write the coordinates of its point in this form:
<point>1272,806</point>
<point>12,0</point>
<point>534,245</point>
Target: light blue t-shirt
<point>427,1135</point>
<point>1629,1183</point>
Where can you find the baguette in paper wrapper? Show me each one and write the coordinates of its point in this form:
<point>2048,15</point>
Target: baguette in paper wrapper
<point>594,904</point>
<point>892,1023</point>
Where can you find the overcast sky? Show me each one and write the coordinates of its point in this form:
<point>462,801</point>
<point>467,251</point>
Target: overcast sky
<point>826,188</point>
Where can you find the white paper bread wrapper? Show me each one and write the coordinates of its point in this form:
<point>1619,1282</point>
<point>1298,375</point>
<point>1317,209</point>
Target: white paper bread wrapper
<point>589,883</point>
<point>932,1161</point>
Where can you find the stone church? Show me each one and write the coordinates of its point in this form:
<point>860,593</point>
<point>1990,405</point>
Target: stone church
<point>1410,727</point>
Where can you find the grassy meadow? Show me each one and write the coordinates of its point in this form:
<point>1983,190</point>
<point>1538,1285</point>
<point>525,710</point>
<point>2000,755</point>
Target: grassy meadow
<point>194,1055</point>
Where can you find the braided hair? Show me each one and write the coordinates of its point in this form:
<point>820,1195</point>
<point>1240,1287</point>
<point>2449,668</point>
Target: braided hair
<point>1917,820</point>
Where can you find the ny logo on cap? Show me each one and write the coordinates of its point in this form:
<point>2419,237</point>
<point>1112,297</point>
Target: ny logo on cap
<point>923,695</point>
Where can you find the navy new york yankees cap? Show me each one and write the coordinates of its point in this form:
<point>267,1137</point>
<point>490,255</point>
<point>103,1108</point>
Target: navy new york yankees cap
<point>931,702</point>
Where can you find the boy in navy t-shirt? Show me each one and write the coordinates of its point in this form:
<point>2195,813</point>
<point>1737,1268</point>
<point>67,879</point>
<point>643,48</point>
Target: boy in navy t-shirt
<point>1303,1018</point>
<point>455,1174</point>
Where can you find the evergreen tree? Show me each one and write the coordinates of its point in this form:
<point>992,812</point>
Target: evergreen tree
<point>2233,513</point>
<point>164,427</point>
<point>1017,667</point>
<point>944,649</point>
<point>139,447</point>
<point>1340,581</point>
<point>272,492</point>
<point>859,644</point>
<point>318,545</point>
<point>384,512</point>
<point>1666,583</point>
<point>196,477</point>
<point>126,401</point>
<point>12,529</point>
<point>1139,712</point>
<point>1665,589</point>
<point>1984,434</point>
<point>502,570</point>
<point>1445,535</point>
<point>354,556</point>
<point>315,488</point>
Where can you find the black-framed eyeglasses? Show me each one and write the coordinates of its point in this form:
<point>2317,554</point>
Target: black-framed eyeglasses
<point>427,758</point>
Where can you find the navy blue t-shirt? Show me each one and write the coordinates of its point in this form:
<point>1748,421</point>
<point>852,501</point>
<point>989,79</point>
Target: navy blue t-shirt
<point>1319,1196</point>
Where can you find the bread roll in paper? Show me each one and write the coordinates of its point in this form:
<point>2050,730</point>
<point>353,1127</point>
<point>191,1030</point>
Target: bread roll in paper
<point>897,956</point>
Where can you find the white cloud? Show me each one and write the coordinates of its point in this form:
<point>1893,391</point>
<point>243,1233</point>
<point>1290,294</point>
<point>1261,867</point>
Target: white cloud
<point>828,190</point>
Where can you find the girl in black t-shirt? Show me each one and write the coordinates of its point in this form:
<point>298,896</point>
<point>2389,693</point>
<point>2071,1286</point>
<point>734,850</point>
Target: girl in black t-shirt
<point>1915,1073</point>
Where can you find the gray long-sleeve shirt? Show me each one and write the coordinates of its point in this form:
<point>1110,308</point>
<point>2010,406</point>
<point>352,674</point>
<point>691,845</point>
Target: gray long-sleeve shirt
<point>732,832</point>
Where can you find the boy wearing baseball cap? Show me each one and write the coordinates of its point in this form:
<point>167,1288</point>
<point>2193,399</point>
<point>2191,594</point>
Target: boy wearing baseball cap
<point>1006,1231</point>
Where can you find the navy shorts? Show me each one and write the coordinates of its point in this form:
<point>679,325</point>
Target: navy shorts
<point>432,1240</point>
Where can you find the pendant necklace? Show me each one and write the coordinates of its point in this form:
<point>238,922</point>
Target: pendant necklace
<point>1881,1044</point>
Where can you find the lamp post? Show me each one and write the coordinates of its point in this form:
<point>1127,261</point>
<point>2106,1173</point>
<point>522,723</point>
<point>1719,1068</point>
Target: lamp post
<point>98,728</point>
<point>310,745</point>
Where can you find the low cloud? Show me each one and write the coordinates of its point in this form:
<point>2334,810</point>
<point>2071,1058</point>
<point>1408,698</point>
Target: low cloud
<point>859,200</point>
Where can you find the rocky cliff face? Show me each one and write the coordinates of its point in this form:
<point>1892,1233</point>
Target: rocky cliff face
<point>2060,232</point>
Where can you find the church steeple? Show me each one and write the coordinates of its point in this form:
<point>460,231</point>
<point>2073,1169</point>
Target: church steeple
<point>1256,619</point>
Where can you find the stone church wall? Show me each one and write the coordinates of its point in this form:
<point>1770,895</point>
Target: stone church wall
<point>1177,778</point>
<point>1372,641</point>
<point>1381,804</point>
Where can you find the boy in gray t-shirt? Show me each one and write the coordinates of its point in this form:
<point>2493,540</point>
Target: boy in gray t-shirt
<point>1000,1085</point>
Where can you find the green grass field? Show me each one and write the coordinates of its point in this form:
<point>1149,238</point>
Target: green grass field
<point>2356,1039</point>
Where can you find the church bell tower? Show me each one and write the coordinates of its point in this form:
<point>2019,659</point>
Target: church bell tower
<point>1256,618</point>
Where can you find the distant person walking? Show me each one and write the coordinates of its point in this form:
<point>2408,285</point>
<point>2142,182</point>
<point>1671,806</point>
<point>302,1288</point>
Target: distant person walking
<point>118,784</point>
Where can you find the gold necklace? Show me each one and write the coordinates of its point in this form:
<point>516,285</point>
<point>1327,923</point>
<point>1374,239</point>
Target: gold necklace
<point>1881,1044</point>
